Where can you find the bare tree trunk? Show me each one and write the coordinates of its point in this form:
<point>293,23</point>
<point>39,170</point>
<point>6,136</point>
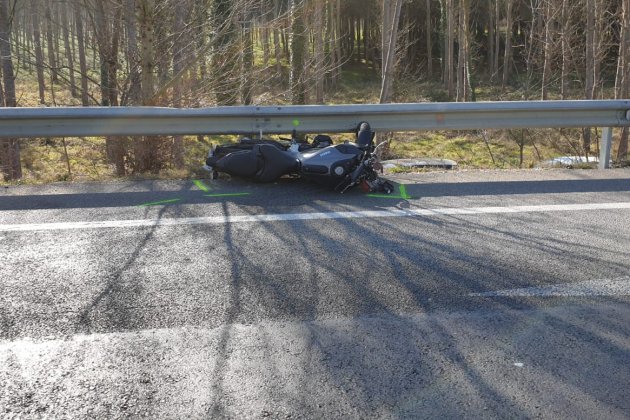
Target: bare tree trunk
<point>247,83</point>
<point>337,49</point>
<point>10,165</point>
<point>146,9</point>
<point>201,18</point>
<point>385,32</point>
<point>507,57</point>
<point>590,49</point>
<point>50,44</point>
<point>265,33</point>
<point>564,78</point>
<point>133,56</point>
<point>330,44</point>
<point>548,50</point>
<point>85,100</point>
<point>147,151</point>
<point>357,31</point>
<point>390,61</point>
<point>429,40</point>
<point>115,145</point>
<point>112,61</point>
<point>319,51</point>
<point>68,50</point>
<point>463,70</point>
<point>622,81</point>
<point>8,75</point>
<point>450,47</point>
<point>225,66</point>
<point>1,86</point>
<point>497,40</point>
<point>391,9</point>
<point>39,55</point>
<point>277,50</point>
<point>590,69</point>
<point>103,36</point>
<point>298,44</point>
<point>490,45</point>
<point>178,64</point>
<point>27,63</point>
<point>597,47</point>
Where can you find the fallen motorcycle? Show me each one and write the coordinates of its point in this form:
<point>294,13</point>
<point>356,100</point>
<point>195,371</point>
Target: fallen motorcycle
<point>339,166</point>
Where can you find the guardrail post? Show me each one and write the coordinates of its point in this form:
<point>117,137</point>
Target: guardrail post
<point>605,148</point>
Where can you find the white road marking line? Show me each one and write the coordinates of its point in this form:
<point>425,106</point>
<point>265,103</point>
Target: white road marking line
<point>310,216</point>
<point>614,287</point>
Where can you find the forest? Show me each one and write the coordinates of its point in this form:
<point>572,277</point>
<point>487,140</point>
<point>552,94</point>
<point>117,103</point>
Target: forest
<point>203,53</point>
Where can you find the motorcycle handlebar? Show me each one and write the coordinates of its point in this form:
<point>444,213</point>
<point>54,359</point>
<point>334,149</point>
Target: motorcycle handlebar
<point>357,172</point>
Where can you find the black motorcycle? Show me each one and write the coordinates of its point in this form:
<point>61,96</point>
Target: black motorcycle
<point>339,166</point>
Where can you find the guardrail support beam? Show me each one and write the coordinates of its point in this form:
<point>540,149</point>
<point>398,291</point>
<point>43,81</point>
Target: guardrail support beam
<point>605,148</point>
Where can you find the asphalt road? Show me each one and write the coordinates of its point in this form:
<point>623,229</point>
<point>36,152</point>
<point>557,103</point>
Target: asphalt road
<point>465,295</point>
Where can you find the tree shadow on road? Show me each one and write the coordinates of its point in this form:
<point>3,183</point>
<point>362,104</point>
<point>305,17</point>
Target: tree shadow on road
<point>393,350</point>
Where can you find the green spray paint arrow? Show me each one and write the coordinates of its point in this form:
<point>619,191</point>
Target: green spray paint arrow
<point>203,187</point>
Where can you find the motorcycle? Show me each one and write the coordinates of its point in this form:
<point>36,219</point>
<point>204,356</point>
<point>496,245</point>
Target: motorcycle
<point>340,166</point>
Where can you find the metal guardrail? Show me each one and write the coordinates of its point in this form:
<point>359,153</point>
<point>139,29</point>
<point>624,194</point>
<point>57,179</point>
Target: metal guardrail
<point>115,121</point>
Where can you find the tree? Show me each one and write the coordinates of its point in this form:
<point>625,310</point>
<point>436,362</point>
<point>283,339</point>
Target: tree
<point>39,54</point>
<point>622,79</point>
<point>429,40</point>
<point>133,95</point>
<point>9,148</point>
<point>318,40</point>
<point>225,66</point>
<point>589,84</point>
<point>449,50</point>
<point>247,67</point>
<point>464,91</point>
<point>179,47</point>
<point>507,56</point>
<point>565,41</point>
<point>391,11</point>
<point>548,48</point>
<point>298,49</point>
<point>145,14</point>
<point>50,43</point>
<point>148,151</point>
<point>68,50</point>
<point>78,18</point>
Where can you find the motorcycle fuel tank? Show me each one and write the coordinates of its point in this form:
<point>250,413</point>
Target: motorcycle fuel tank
<point>332,161</point>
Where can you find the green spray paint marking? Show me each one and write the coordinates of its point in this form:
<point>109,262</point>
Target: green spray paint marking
<point>296,123</point>
<point>201,185</point>
<point>402,194</point>
<point>226,195</point>
<point>157,203</point>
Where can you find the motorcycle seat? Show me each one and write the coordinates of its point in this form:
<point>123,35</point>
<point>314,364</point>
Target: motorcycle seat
<point>275,163</point>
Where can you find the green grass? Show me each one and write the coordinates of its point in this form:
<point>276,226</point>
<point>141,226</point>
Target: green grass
<point>468,149</point>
